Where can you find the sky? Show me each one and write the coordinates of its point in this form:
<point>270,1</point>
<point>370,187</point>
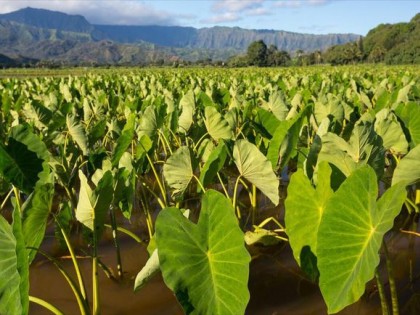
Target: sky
<point>302,16</point>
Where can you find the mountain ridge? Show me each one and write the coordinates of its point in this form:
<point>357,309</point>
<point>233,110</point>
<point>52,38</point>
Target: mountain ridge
<point>26,28</point>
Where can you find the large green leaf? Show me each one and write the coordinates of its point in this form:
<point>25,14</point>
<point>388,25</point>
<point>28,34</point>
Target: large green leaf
<point>331,108</point>
<point>364,147</point>
<point>187,106</point>
<point>35,212</point>
<point>124,140</point>
<point>408,169</point>
<point>276,105</point>
<point>255,167</point>
<point>216,125</point>
<point>350,236</point>
<point>205,264</point>
<point>268,121</point>
<point>77,132</point>
<point>22,133</point>
<point>93,205</point>
<point>19,165</point>
<point>410,115</point>
<point>388,127</point>
<point>178,170</point>
<point>14,273</point>
<point>148,123</point>
<point>214,164</point>
<point>305,206</point>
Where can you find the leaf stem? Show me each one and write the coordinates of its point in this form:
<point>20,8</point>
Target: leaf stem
<point>381,291</point>
<point>162,190</point>
<point>235,191</point>
<point>392,285</point>
<point>46,305</point>
<point>7,198</point>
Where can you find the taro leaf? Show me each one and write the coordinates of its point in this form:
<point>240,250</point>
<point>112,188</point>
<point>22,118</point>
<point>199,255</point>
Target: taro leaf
<point>275,142</point>
<point>124,190</point>
<point>19,165</point>
<point>408,169</point>
<point>124,140</point>
<point>97,131</point>
<point>261,236</point>
<point>143,146</point>
<point>148,123</point>
<point>77,132</point>
<point>268,121</point>
<point>216,125</point>
<point>14,272</point>
<point>391,132</point>
<point>23,134</point>
<point>35,212</point>
<point>205,264</point>
<point>276,105</point>
<point>283,145</point>
<point>255,167</point>
<point>151,268</point>
<point>364,147</point>
<point>187,106</point>
<point>205,149</point>
<point>214,164</point>
<point>333,109</point>
<point>178,170</point>
<point>350,236</point>
<point>410,115</point>
<point>305,206</point>
<point>93,205</point>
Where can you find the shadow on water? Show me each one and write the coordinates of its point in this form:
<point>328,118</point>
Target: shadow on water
<point>277,286</point>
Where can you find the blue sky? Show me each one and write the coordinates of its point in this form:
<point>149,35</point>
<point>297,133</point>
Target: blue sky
<point>303,16</point>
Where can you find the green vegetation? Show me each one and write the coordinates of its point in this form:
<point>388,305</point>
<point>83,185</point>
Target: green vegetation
<point>199,155</point>
<point>390,43</point>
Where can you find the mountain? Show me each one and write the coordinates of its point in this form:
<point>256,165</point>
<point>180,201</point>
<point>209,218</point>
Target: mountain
<point>49,19</point>
<point>51,35</point>
<point>220,37</point>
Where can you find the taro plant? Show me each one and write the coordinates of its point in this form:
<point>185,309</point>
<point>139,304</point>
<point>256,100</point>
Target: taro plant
<point>346,230</point>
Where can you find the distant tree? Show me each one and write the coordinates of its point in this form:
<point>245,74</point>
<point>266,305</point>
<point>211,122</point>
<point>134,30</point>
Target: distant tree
<point>299,57</point>
<point>257,54</point>
<point>276,58</point>
<point>238,61</point>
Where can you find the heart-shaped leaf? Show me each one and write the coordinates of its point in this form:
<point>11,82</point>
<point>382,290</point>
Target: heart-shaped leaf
<point>388,127</point>
<point>255,167</point>
<point>187,106</point>
<point>19,165</point>
<point>178,170</point>
<point>216,125</point>
<point>35,212</point>
<point>305,206</point>
<point>124,140</point>
<point>77,132</point>
<point>14,272</point>
<point>93,205</point>
<point>350,236</point>
<point>205,264</point>
<point>364,147</point>
<point>408,169</point>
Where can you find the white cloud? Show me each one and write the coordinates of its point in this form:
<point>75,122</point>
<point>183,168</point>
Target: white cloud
<point>128,12</point>
<point>236,5</point>
<point>227,17</point>
<point>228,11</point>
<point>299,3</point>
<point>259,12</point>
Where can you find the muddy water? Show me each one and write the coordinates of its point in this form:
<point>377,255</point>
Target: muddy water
<point>276,284</point>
